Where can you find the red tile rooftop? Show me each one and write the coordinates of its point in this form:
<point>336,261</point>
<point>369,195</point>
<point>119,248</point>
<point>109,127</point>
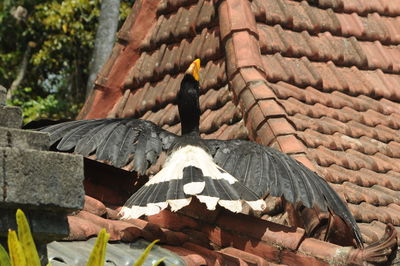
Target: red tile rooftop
<point>223,238</point>
<point>318,80</point>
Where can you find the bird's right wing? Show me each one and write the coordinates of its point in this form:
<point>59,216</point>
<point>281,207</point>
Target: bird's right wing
<point>122,142</point>
<point>267,171</point>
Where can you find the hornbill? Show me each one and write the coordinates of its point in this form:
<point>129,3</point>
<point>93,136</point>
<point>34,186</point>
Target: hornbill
<point>229,173</point>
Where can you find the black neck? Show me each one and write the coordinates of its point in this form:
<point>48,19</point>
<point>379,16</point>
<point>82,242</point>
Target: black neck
<point>188,105</point>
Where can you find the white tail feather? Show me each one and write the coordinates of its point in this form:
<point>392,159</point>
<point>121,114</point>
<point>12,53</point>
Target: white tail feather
<point>210,202</point>
<point>257,205</point>
<point>178,204</point>
<point>232,205</point>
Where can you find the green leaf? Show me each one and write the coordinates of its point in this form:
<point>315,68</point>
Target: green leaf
<point>4,258</point>
<point>145,253</point>
<point>158,262</point>
<point>17,255</point>
<point>26,240</point>
<point>98,254</point>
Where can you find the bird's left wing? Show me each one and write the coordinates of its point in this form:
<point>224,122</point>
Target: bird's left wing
<point>123,142</point>
<point>267,171</point>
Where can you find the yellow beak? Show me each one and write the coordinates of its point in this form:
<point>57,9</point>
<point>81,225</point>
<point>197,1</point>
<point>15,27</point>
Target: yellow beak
<point>194,69</point>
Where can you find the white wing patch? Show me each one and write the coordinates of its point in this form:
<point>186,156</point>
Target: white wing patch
<point>189,156</point>
<point>194,188</point>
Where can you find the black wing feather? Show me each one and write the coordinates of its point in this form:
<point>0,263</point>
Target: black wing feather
<point>58,130</point>
<point>109,150</point>
<point>280,175</point>
<point>94,137</point>
<point>116,141</point>
<point>70,139</point>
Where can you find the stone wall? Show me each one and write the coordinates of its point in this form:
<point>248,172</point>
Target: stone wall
<point>45,185</point>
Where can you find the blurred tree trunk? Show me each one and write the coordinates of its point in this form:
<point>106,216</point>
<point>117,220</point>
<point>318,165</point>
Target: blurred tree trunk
<point>105,38</point>
<point>21,72</point>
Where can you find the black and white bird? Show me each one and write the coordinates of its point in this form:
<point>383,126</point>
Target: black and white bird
<point>229,173</point>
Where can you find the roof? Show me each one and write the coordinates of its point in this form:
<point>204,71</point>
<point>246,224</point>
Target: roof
<point>315,79</point>
<point>202,237</point>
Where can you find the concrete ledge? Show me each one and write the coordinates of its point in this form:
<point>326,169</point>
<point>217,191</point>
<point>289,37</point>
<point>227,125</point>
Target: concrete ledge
<point>10,116</point>
<point>23,139</point>
<point>41,180</point>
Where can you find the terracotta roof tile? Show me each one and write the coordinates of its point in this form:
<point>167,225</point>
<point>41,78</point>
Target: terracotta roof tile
<point>368,178</point>
<point>394,33</point>
<point>213,74</point>
<point>151,38</point>
<point>206,15</point>
<point>342,51</point>
<point>272,39</point>
<point>189,50</point>
<point>255,118</point>
<point>290,144</point>
<point>171,89</point>
<point>245,256</point>
<point>271,108</point>
<point>212,257</point>
<point>167,6</point>
<point>290,258</point>
<point>373,230</point>
<point>212,120</point>
<point>356,194</point>
<point>368,213</point>
<point>259,89</point>
<point>275,68</point>
<point>235,131</point>
<point>190,257</point>
<point>238,85</point>
<point>236,16</point>
<point>265,133</point>
<point>176,129</point>
<point>185,19</point>
<point>363,7</point>
<point>213,99</point>
<point>210,49</point>
<point>94,206</point>
<point>245,47</point>
<point>296,16</point>
<point>373,83</point>
<point>168,64</point>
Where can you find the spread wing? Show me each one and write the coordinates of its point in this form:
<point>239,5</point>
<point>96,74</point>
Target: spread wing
<point>119,142</point>
<point>267,171</point>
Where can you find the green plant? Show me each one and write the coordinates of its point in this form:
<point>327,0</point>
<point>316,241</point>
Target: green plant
<point>98,254</point>
<point>22,248</point>
<point>145,253</point>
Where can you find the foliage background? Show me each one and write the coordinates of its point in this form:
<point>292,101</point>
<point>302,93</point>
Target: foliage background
<point>57,39</point>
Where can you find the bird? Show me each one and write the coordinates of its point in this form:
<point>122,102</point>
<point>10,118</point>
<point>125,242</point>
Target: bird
<point>229,173</point>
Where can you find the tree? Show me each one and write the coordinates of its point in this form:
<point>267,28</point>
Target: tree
<point>44,53</point>
<point>105,36</point>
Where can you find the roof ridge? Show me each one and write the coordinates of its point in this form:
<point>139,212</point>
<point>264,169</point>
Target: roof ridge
<point>265,119</point>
